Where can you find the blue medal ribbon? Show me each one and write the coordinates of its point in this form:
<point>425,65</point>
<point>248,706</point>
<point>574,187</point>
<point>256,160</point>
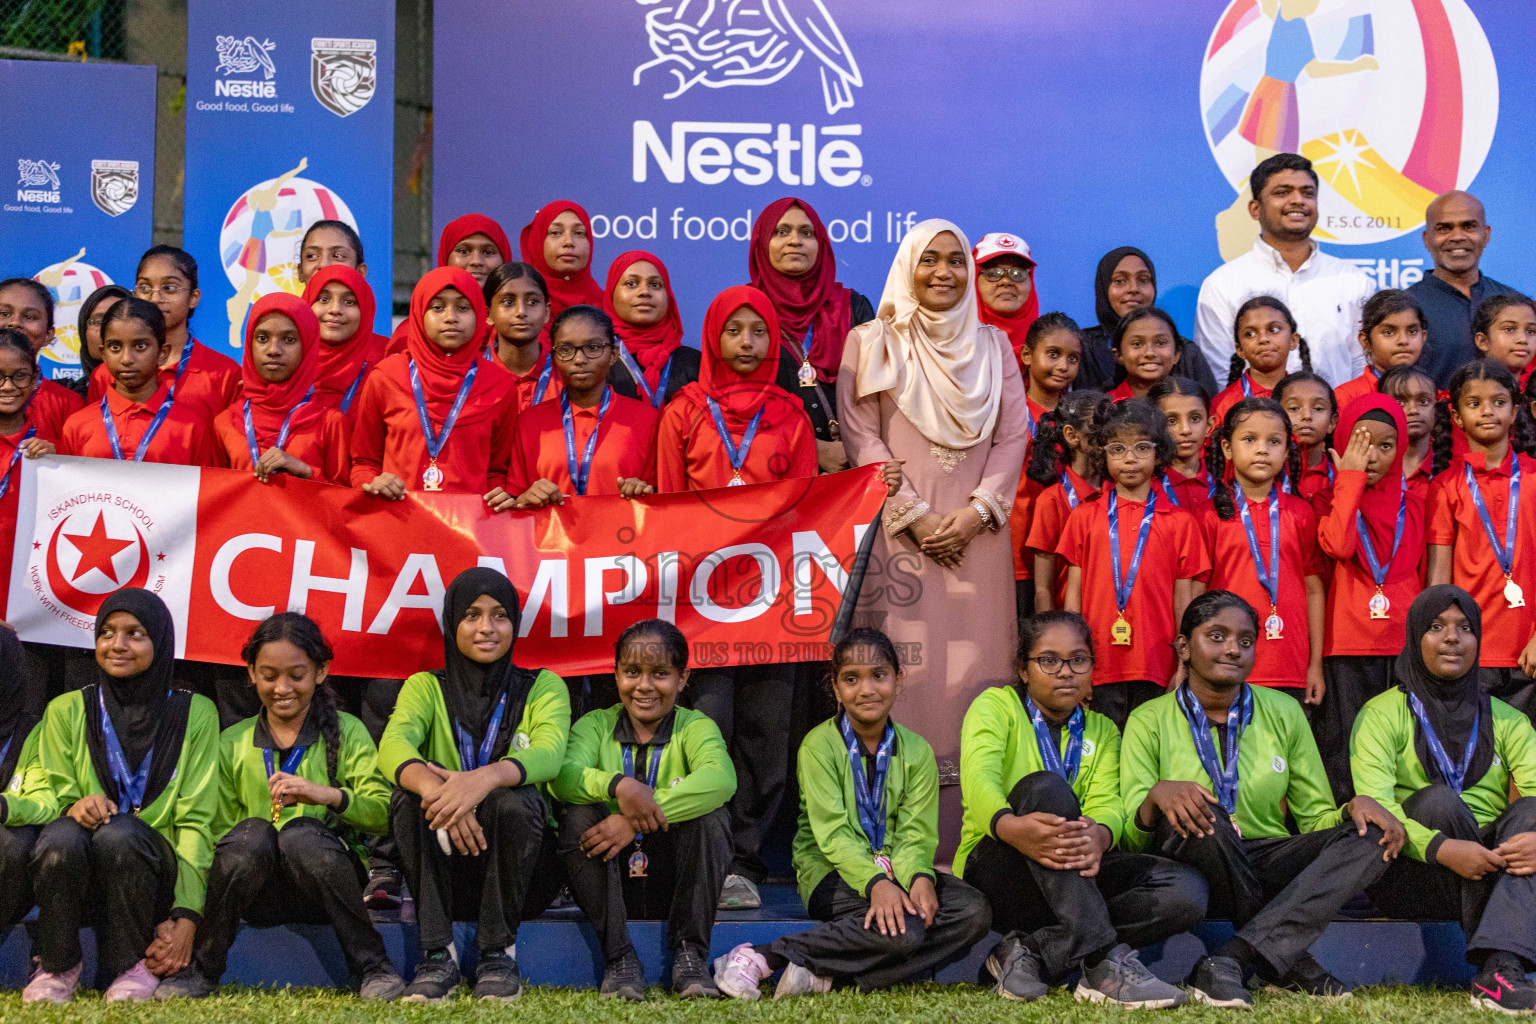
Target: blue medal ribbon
<point>657,397</point>
<point>1053,761</point>
<point>346,400</point>
<point>290,763</point>
<point>542,386</point>
<point>628,753</point>
<point>1029,422</point>
<point>282,433</point>
<point>1270,580</point>
<point>149,434</point>
<point>1505,552</point>
<point>1247,384</point>
<point>737,454</point>
<point>1168,489</point>
<point>1378,570</point>
<point>1239,715</point>
<point>5,482</point>
<point>1455,775</point>
<point>580,471</point>
<point>1069,490</point>
<point>1124,584</point>
<point>870,806</point>
<point>435,441</point>
<point>471,759</point>
<point>130,784</point>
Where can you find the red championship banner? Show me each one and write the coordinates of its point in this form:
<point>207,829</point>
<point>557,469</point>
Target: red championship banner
<point>752,575</point>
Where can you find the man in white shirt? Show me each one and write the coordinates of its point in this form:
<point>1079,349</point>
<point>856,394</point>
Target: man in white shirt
<point>1323,292</point>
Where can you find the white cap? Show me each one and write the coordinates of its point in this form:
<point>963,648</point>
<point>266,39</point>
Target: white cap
<point>1001,243</point>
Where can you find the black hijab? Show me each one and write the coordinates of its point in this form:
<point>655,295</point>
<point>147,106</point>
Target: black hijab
<point>471,690</point>
<point>1451,705</point>
<point>1108,318</point>
<point>16,718</point>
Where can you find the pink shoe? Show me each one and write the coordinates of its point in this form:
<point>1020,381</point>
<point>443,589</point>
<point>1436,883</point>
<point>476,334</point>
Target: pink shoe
<point>135,985</point>
<point>739,972</point>
<point>44,987</point>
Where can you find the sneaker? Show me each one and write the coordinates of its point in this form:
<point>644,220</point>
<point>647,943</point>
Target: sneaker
<point>47,987</point>
<point>383,889</point>
<point>1308,977</point>
<point>690,973</point>
<point>1218,981</point>
<point>624,978</point>
<point>134,985</point>
<point>1123,980</point>
<point>739,973</point>
<point>1501,986</point>
<point>497,977</point>
<point>1016,969</point>
<point>380,985</point>
<point>739,893</point>
<point>187,983</point>
<point>436,977</point>
<point>799,981</point>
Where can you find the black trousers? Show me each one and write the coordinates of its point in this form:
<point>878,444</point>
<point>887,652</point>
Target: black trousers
<point>121,877</point>
<point>1498,911</point>
<point>1513,687</point>
<point>16,843</point>
<point>686,866</point>
<point>1352,681</point>
<point>1138,899</point>
<point>751,706</point>
<point>489,888</point>
<point>842,948</point>
<point>303,874</point>
<point>1024,596</point>
<point>372,701</point>
<point>1116,701</point>
<point>1280,892</point>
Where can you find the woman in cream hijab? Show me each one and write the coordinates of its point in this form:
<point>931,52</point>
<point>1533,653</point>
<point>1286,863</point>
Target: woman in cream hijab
<point>929,384</point>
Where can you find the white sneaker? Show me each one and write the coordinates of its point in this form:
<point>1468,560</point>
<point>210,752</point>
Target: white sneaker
<point>739,972</point>
<point>738,893</point>
<point>798,981</point>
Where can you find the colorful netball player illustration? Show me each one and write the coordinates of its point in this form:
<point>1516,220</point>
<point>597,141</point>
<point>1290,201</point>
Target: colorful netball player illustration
<point>253,254</point>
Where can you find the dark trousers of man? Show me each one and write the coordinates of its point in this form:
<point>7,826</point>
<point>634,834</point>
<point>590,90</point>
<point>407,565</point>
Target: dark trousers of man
<point>16,843</point>
<point>1136,898</point>
<point>685,868</point>
<point>1116,701</point>
<point>489,888</point>
<point>751,705</point>
<point>841,947</point>
<point>121,877</point>
<point>303,874</point>
<point>1280,893</point>
<point>1513,687</point>
<point>1352,681</point>
<point>1498,911</point>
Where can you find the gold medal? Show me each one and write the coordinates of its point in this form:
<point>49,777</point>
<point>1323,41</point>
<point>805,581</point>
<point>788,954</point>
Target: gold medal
<point>1274,625</point>
<point>1120,632</point>
<point>1513,594</point>
<point>807,375</point>
<point>736,480</point>
<point>1380,605</point>
<point>432,477</point>
<point>277,809</point>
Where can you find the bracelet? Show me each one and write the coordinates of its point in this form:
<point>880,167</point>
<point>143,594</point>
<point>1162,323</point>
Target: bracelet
<point>983,511</point>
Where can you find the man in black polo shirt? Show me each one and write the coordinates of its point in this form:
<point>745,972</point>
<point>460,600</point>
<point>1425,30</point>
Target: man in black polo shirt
<point>1455,233</point>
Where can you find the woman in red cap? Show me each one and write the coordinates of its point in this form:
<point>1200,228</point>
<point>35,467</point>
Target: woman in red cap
<point>1005,284</point>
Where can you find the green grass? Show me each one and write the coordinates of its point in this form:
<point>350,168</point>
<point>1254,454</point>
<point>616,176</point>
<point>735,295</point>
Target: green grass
<point>918,1004</point>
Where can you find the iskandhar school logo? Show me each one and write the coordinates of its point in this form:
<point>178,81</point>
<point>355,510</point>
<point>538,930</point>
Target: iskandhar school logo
<point>114,185</point>
<point>343,73</point>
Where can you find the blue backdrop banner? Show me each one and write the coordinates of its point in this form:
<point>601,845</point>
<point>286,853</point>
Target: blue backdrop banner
<point>79,207</point>
<point>1081,127</point>
<point>290,120</point>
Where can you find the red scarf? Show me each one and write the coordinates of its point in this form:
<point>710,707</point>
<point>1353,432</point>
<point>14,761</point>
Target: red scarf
<point>812,302</point>
<point>564,292</point>
<point>461,228</point>
<point>342,361</point>
<point>271,403</point>
<point>441,371</point>
<point>740,397</point>
<point>1379,503</point>
<point>1015,325</point>
<point>651,346</point>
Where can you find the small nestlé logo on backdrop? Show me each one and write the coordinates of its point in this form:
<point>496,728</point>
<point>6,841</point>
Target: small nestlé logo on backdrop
<point>343,73</point>
<point>37,181</point>
<point>245,57</point>
<point>114,185</point>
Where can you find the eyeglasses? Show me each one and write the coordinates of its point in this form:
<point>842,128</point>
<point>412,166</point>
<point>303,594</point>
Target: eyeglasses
<point>95,321</point>
<point>1014,274</point>
<point>1051,664</point>
<point>20,380</point>
<point>565,353</point>
<point>1141,449</point>
<point>147,291</point>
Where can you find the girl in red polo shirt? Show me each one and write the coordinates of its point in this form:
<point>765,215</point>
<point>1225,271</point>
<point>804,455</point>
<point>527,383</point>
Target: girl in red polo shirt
<point>1282,578</point>
<point>1147,347</point>
<point>1392,333</point>
<point>349,351</point>
<point>27,306</point>
<point>590,440</point>
<point>1062,464</point>
<point>653,363</point>
<point>1504,330</point>
<point>1264,334</point>
<point>473,243</point>
<point>1186,483</point>
<point>140,417</point>
<point>558,244</point>
<point>276,426</point>
<point>1134,560</point>
<point>517,305</point>
<point>1314,413</point>
<point>1474,541</point>
<point>1414,391</point>
<point>734,425</point>
<point>437,416</point>
<point>1374,532</point>
<point>19,434</point>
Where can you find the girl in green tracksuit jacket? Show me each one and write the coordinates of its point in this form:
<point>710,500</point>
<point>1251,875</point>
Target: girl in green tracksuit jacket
<point>299,786</point>
<point>26,802</point>
<point>869,827</point>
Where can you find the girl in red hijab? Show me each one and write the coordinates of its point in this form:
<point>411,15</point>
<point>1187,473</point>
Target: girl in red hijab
<point>436,417</point>
<point>558,244</point>
<point>349,350</point>
<point>652,364</point>
<point>734,425</point>
<point>277,426</point>
<point>1372,518</point>
<point>473,242</point>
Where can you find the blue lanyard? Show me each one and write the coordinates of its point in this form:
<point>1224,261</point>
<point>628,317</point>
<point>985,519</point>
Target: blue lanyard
<point>5,482</point>
<point>1271,580</point>
<point>871,807</point>
<point>1455,775</point>
<point>1379,571</point>
<point>1069,490</point>
<point>543,385</point>
<point>1505,552</point>
<point>7,748</point>
<point>1239,715</point>
<point>582,470</point>
<point>130,784</point>
<point>469,758</point>
<point>1246,383</point>
<point>1123,586</point>
<point>628,751</point>
<point>346,400</point>
<point>1168,489</point>
<point>436,441</point>
<point>1052,760</point>
<point>657,397</point>
<point>1029,421</point>
<point>149,434</point>
<point>290,763</point>
<point>737,455</point>
<point>282,433</point>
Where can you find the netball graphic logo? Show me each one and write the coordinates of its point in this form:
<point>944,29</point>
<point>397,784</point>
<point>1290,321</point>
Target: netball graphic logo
<point>720,43</point>
<point>69,282</point>
<point>114,185</point>
<point>343,73</point>
<point>97,543</point>
<point>38,181</point>
<point>1393,101</point>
